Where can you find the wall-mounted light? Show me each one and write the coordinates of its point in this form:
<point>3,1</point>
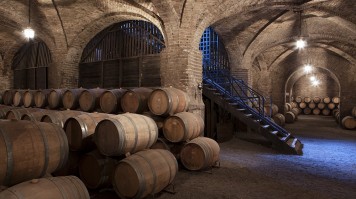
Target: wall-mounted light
<point>308,68</point>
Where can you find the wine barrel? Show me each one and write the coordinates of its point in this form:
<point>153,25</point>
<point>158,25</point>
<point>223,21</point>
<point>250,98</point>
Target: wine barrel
<point>89,100</point>
<point>316,111</point>
<point>302,105</point>
<point>158,119</point>
<point>331,106</point>
<point>200,153</point>
<point>348,122</point>
<point>16,114</point>
<point>59,117</point>
<point>71,98</point>
<point>279,119</point>
<point>325,112</point>
<point>4,110</point>
<point>289,117</point>
<point>35,116</point>
<point>161,143</point>
<point>8,97</point>
<point>307,111</point>
<point>335,111</point>
<point>336,100</point>
<point>296,112</point>
<point>71,167</point>
<point>183,126</point>
<point>321,106</point>
<point>135,100</point>
<point>353,112</point>
<point>298,99</point>
<point>125,133</point>
<point>80,128</point>
<point>312,105</point>
<point>29,98</point>
<point>18,98</point>
<point>41,98</point>
<point>110,100</point>
<point>307,100</point>
<point>327,100</point>
<point>271,111</point>
<point>30,150</point>
<point>96,170</point>
<point>316,100</point>
<point>55,98</point>
<point>337,116</point>
<point>294,105</point>
<point>66,187</point>
<point>287,107</point>
<point>168,101</point>
<point>146,172</point>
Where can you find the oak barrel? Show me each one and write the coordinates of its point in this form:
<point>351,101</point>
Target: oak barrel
<point>294,105</point>
<point>125,133</point>
<point>327,100</point>
<point>325,112</point>
<point>183,126</point>
<point>279,119</point>
<point>296,112</point>
<point>321,105</point>
<point>66,187</point>
<point>298,99</point>
<point>80,128</point>
<point>29,98</point>
<point>307,100</point>
<point>331,106</point>
<point>135,100</point>
<point>289,117</point>
<point>30,150</point>
<point>55,98</point>
<point>200,153</point>
<point>316,111</point>
<point>348,122</point>
<point>146,172</point>
<point>89,99</point>
<point>316,100</point>
<point>307,111</point>
<point>41,98</point>
<point>16,114</point>
<point>35,116</point>
<point>287,107</point>
<point>312,105</point>
<point>71,98</point>
<point>271,110</point>
<point>71,167</point>
<point>59,117</point>
<point>302,105</point>
<point>336,100</point>
<point>158,119</point>
<point>110,100</point>
<point>161,143</point>
<point>96,170</point>
<point>353,112</point>
<point>168,101</point>
<point>5,109</point>
<point>8,97</point>
<point>18,98</point>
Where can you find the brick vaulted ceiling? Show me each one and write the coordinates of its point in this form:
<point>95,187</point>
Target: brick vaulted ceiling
<point>265,28</point>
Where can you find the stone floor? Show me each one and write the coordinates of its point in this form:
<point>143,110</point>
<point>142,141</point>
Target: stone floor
<point>327,169</point>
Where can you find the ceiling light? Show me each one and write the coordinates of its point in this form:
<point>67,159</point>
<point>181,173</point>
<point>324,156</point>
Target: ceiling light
<point>308,68</point>
<point>300,44</point>
<point>312,78</point>
<point>29,33</point>
<point>316,83</point>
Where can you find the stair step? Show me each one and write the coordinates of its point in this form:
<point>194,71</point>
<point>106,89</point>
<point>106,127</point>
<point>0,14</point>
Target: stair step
<point>292,143</point>
<point>258,120</point>
<point>241,109</point>
<point>274,132</point>
<point>265,126</point>
<point>285,138</point>
<point>233,104</point>
<point>218,94</point>
<point>248,115</point>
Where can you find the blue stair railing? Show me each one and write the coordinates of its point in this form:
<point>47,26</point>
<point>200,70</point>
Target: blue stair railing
<point>239,93</point>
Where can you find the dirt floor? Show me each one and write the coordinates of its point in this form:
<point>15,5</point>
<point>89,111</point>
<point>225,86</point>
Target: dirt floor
<point>327,169</point>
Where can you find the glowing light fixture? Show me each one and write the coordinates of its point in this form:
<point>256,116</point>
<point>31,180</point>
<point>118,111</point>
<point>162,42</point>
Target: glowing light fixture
<point>315,83</point>
<point>29,33</point>
<point>312,78</point>
<point>300,44</point>
<point>308,68</point>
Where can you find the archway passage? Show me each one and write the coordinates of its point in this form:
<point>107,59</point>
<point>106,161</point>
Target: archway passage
<point>30,66</point>
<point>125,54</point>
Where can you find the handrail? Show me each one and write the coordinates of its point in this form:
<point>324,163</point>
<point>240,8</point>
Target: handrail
<point>239,92</point>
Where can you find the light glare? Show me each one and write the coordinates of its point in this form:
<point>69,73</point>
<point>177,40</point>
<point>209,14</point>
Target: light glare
<point>312,78</point>
<point>308,68</point>
<point>315,82</point>
<point>29,33</point>
<point>300,44</point>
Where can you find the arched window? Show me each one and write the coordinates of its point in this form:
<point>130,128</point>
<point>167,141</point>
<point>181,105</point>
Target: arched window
<point>30,66</point>
<point>214,52</point>
<point>125,54</point>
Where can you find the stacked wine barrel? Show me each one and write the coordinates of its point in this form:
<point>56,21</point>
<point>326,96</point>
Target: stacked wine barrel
<point>291,112</point>
<point>348,122</point>
<point>115,134</point>
<point>317,105</point>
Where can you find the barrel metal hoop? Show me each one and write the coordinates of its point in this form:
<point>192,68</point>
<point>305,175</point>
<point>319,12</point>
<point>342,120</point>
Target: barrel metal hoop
<point>10,161</point>
<point>79,187</point>
<point>45,142</point>
<point>153,172</point>
<point>141,179</point>
<point>59,187</point>
<point>149,135</point>
<point>136,133</point>
<point>170,168</point>
<point>64,148</point>
<point>170,101</point>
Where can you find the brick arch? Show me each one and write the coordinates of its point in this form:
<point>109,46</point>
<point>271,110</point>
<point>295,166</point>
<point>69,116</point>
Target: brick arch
<point>70,64</point>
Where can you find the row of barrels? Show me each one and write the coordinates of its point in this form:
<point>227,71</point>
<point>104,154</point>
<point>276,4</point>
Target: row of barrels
<point>317,100</point>
<point>290,116</point>
<point>115,145</point>
<point>348,122</point>
<point>160,101</point>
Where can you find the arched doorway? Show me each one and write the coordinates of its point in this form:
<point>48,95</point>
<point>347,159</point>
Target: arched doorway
<point>125,54</point>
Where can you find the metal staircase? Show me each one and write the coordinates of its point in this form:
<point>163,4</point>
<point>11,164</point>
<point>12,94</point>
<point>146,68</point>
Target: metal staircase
<point>247,105</point>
